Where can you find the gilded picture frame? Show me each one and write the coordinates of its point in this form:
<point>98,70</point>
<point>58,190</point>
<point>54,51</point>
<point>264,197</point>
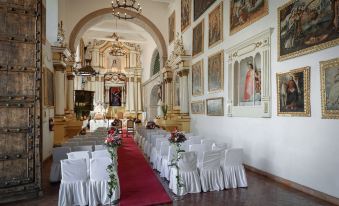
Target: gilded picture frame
<point>198,78</point>
<point>198,39</point>
<point>200,6</point>
<point>198,107</point>
<point>241,16</point>
<point>49,89</point>
<point>171,27</point>
<point>306,29</point>
<point>186,11</point>
<point>215,26</point>
<point>329,76</point>
<point>215,72</point>
<point>293,92</point>
<point>215,106</point>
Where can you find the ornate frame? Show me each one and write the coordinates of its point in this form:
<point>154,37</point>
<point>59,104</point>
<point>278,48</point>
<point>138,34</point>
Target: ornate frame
<point>306,82</point>
<point>222,72</point>
<point>220,7</point>
<point>198,102</point>
<point>201,62</point>
<point>183,29</point>
<point>169,29</point>
<point>202,22</point>
<point>324,65</point>
<point>222,105</point>
<point>47,85</point>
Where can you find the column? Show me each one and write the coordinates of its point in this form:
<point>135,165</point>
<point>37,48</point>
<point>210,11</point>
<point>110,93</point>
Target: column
<point>139,95</point>
<point>127,95</point>
<point>131,94</point>
<point>168,78</point>
<point>184,91</point>
<point>107,95</point>
<point>59,73</point>
<point>70,92</point>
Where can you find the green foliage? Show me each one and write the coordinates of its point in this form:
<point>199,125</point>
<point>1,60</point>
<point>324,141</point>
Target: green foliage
<point>164,109</point>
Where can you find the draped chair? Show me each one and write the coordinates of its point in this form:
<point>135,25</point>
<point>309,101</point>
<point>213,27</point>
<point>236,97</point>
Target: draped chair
<point>161,154</point>
<point>199,149</point>
<point>156,150</point>
<point>59,153</point>
<point>80,155</point>
<point>165,162</point>
<point>130,126</point>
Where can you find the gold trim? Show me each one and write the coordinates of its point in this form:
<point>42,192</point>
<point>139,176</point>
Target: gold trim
<point>307,105</point>
<point>222,73</point>
<point>169,29</point>
<point>222,102</point>
<point>198,102</point>
<point>324,65</point>
<point>201,62</point>
<point>220,7</point>
<point>202,22</point>
<point>190,17</point>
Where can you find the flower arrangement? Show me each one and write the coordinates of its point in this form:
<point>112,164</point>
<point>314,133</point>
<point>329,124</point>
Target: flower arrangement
<point>115,123</point>
<point>151,125</point>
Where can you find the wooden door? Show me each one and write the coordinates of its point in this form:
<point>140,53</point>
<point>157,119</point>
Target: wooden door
<point>20,102</point>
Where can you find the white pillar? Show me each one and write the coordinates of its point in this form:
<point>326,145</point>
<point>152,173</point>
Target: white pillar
<point>132,95</point>
<point>59,91</point>
<point>107,95</point>
<point>70,92</point>
<point>184,91</point>
<point>139,94</point>
<point>127,95</point>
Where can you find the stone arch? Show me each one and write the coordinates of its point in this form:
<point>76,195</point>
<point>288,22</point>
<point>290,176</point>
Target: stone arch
<point>154,69</point>
<point>140,20</point>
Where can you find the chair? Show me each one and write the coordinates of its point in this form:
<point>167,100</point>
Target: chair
<point>70,144</point>
<point>130,126</point>
<point>188,174</point>
<point>196,139</point>
<point>233,169</point>
<point>59,153</point>
<point>199,149</point>
<point>74,183</point>
<point>208,142</point>
<point>219,146</point>
<point>187,143</point>
<point>75,139</point>
<point>83,148</point>
<point>85,143</point>
<point>99,147</point>
<point>165,162</point>
<point>100,153</point>
<point>80,155</point>
<point>162,153</point>
<point>98,183</point>
<point>155,150</point>
<point>119,126</point>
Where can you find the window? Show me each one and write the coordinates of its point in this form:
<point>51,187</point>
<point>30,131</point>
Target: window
<point>155,63</point>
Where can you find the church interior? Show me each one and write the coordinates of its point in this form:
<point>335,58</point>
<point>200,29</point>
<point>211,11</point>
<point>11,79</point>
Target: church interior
<point>169,102</point>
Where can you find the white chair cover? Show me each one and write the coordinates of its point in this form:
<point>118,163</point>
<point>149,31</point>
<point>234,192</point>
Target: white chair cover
<point>188,174</point>
<point>208,142</point>
<point>74,183</point>
<point>233,169</point>
<point>210,172</point>
<point>88,143</point>
<point>59,153</point>
<point>196,138</point>
<point>163,152</point>
<point>100,153</point>
<point>199,149</point>
<point>219,146</point>
<point>98,184</point>
<point>83,148</point>
<point>165,168</point>
<point>156,149</point>
<point>80,155</point>
<point>99,147</point>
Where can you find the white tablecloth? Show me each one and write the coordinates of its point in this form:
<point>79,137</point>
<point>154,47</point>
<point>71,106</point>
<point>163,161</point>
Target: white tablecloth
<point>95,124</point>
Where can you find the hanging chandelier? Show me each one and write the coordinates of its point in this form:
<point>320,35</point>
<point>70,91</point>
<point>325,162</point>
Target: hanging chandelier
<point>87,70</point>
<point>117,48</point>
<point>130,5</point>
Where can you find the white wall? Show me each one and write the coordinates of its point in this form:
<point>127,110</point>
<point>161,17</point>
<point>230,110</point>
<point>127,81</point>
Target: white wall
<point>146,59</point>
<point>300,149</point>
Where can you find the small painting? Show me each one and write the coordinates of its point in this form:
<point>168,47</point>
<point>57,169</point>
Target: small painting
<point>200,6</point>
<point>171,27</point>
<point>245,12</point>
<point>186,10</point>
<point>216,72</point>
<point>215,26</point>
<point>307,26</point>
<point>198,107</point>
<point>49,88</point>
<point>215,106</point>
<point>198,39</point>
<point>293,90</point>
<point>198,78</point>
<point>329,72</point>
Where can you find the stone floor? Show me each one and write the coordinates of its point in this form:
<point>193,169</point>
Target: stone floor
<point>261,192</point>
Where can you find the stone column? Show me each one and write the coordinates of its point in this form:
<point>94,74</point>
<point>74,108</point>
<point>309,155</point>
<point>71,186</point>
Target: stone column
<point>107,95</point>
<point>131,94</point>
<point>59,73</point>
<point>184,104</point>
<point>139,100</point>
<point>168,78</point>
<point>70,92</point>
<point>127,95</point>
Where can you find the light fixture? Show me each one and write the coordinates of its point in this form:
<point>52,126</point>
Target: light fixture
<point>132,8</point>
<point>87,70</point>
<point>117,48</point>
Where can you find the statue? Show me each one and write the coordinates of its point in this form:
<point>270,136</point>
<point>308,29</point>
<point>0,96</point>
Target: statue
<point>160,113</point>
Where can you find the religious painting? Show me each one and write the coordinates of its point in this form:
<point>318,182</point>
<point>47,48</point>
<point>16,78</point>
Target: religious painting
<point>200,6</point>
<point>198,39</point>
<point>216,72</point>
<point>215,26</point>
<point>215,106</point>
<point>185,14</point>
<point>245,12</point>
<point>115,96</point>
<point>171,27</point>
<point>198,78</point>
<point>198,107</point>
<point>293,91</point>
<point>329,73</point>
<point>49,88</point>
<point>307,26</point>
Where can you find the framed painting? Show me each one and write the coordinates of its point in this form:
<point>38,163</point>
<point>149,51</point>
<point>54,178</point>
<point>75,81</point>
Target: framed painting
<point>171,27</point>
<point>200,6</point>
<point>215,26</point>
<point>186,10</point>
<point>198,78</point>
<point>245,12</point>
<point>198,39</point>
<point>307,26</point>
<point>198,107</point>
<point>49,88</point>
<point>329,73</point>
<point>215,106</point>
<point>293,91</point>
<point>216,72</point>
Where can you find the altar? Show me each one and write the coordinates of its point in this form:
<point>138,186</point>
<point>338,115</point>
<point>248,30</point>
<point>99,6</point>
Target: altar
<point>95,124</point>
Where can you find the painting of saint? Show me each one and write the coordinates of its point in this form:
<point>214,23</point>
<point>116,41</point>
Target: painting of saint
<point>171,27</point>
<point>198,79</point>
<point>293,92</point>
<point>306,26</point>
<point>215,26</point>
<point>216,72</point>
<point>200,6</point>
<point>215,106</point>
<point>115,97</point>
<point>198,107</point>
<point>185,14</point>
<point>245,12</point>
<point>198,39</point>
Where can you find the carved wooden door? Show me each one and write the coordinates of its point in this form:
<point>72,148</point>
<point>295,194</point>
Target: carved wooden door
<point>20,92</point>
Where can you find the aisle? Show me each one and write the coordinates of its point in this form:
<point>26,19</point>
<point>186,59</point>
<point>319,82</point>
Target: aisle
<point>138,183</point>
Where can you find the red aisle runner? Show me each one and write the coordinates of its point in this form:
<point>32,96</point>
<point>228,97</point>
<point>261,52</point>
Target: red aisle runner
<point>138,183</point>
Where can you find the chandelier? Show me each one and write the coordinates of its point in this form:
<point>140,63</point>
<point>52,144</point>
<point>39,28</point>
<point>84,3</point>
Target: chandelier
<point>117,48</point>
<point>87,70</point>
<point>129,5</point>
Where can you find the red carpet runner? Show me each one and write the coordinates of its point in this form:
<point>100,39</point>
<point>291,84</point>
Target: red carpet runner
<point>138,183</point>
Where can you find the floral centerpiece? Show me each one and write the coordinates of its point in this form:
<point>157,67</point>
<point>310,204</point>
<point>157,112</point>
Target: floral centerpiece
<point>112,142</point>
<point>151,125</point>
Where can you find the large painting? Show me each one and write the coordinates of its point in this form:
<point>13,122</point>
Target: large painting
<point>307,26</point>
<point>329,72</point>
<point>171,27</point>
<point>198,78</point>
<point>215,26</point>
<point>245,12</point>
<point>200,6</point>
<point>198,39</point>
<point>186,11</point>
<point>216,72</point>
<point>49,88</point>
<point>115,96</point>
<point>215,106</point>
<point>198,107</point>
<point>293,90</point>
